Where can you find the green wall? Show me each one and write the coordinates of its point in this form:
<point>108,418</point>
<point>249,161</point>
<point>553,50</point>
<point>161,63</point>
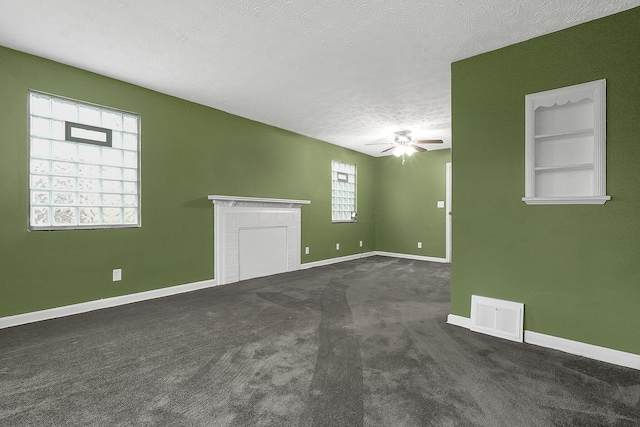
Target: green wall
<point>188,152</point>
<point>574,267</point>
<point>406,204</point>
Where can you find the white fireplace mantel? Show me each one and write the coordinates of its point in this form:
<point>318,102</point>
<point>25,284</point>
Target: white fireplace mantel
<point>257,201</point>
<point>255,236</point>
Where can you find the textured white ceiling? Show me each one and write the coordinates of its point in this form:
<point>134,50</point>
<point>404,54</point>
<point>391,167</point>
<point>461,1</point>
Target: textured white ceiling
<point>348,72</point>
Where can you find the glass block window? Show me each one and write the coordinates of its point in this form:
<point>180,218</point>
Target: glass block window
<point>83,165</point>
<point>343,189</point>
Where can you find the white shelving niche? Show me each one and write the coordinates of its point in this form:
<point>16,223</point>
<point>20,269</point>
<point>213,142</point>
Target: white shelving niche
<point>565,145</point>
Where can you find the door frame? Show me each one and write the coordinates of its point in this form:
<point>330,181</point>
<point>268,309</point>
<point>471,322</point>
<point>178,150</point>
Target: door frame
<point>448,180</point>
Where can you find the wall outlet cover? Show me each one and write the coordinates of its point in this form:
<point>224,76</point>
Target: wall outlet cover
<point>117,274</point>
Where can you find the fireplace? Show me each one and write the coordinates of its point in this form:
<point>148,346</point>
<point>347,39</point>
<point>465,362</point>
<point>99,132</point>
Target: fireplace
<point>255,237</point>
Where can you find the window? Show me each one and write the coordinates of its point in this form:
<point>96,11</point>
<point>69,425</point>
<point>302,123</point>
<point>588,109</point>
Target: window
<point>565,153</point>
<point>343,189</point>
<point>83,165</point>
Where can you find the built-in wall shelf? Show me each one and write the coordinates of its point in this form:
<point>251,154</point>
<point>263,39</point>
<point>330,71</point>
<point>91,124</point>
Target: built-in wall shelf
<point>565,167</point>
<point>568,133</point>
<point>565,145</point>
<point>566,200</point>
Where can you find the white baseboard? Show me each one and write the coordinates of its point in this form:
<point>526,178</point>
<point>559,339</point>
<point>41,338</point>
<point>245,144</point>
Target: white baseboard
<point>603,354</point>
<point>335,260</point>
<point>69,310</point>
<point>463,322</point>
<point>407,256</point>
<point>367,254</point>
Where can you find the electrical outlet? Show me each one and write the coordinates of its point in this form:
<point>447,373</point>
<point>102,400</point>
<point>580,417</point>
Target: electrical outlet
<point>306,250</point>
<point>440,204</point>
<point>117,274</point>
<point>360,243</point>
<point>337,246</point>
<point>419,245</point>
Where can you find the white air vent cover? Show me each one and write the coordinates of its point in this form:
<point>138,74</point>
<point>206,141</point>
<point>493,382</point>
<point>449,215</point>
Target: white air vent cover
<point>497,317</point>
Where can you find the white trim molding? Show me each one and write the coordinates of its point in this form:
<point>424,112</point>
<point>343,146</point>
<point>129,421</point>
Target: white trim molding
<point>84,307</point>
<point>330,261</point>
<point>448,180</point>
<point>583,200</point>
<point>463,322</point>
<point>603,354</point>
<point>256,201</point>
<point>408,256</point>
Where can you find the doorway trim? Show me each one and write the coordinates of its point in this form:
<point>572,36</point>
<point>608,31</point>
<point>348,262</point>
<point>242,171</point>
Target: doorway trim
<point>448,211</point>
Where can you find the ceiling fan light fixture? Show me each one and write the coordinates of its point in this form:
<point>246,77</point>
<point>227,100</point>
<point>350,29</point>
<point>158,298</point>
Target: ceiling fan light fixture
<point>404,146</point>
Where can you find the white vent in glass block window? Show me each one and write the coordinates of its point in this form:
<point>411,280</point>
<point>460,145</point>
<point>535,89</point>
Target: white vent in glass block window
<point>503,319</point>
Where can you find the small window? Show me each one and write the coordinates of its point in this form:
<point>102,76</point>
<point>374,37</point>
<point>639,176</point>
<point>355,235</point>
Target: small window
<point>83,165</point>
<point>343,188</point>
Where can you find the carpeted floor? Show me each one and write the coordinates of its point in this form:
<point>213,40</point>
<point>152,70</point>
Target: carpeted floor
<point>361,343</point>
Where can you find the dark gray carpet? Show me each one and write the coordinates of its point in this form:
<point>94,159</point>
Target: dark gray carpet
<point>351,344</point>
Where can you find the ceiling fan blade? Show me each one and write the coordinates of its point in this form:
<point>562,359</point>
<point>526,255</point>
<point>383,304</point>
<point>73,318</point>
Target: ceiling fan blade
<point>418,148</point>
<point>428,141</point>
<point>378,143</point>
<point>388,149</point>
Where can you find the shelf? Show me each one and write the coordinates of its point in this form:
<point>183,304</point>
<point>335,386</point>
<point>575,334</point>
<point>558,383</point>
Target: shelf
<point>565,138</point>
<point>565,167</point>
<point>579,200</point>
<point>566,133</point>
<point>256,201</point>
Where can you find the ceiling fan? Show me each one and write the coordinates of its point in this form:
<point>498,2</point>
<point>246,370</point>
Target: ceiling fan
<point>404,145</point>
